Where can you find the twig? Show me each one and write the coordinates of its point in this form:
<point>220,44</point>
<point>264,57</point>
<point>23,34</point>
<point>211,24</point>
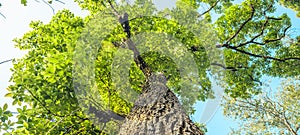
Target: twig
<point>211,7</point>
<point>49,6</point>
<point>60,1</point>
<point>3,15</point>
<point>6,61</point>
<point>255,37</point>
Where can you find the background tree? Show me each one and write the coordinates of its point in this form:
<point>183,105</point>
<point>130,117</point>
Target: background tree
<point>269,112</point>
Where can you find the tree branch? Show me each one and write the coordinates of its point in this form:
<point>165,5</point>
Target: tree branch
<point>255,37</point>
<point>262,56</point>
<point>3,15</point>
<point>53,11</point>
<point>6,61</point>
<point>123,20</point>
<point>211,7</point>
<point>284,34</point>
<point>241,27</point>
<point>226,44</point>
<point>227,68</point>
<point>236,69</point>
<point>287,123</point>
<point>60,1</point>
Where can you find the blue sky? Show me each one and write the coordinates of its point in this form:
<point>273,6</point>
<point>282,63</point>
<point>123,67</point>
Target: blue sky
<point>17,22</point>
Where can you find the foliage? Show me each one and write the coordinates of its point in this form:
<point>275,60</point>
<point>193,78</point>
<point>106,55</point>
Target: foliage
<point>292,4</point>
<point>47,80</point>
<point>267,114</point>
<point>5,123</point>
<point>43,78</point>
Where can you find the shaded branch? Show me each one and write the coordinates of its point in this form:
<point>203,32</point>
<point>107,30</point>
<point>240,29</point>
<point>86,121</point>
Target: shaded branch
<point>284,34</point>
<point>227,68</point>
<point>115,12</point>
<point>255,80</point>
<point>236,69</point>
<point>123,20</point>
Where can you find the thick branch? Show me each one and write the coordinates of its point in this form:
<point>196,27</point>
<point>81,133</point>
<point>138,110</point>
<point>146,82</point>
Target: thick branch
<point>123,20</point>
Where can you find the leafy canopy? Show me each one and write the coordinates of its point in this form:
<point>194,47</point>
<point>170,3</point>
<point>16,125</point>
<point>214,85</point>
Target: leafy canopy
<point>248,35</point>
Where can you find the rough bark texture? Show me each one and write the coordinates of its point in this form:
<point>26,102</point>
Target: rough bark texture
<point>158,112</point>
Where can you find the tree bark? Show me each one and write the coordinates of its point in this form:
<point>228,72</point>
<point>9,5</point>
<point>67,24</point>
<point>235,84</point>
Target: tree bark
<point>157,111</point>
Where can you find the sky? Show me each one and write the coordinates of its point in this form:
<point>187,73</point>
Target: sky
<point>17,22</point>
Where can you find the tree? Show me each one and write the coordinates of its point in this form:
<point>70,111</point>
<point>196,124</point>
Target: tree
<point>292,4</point>
<point>267,114</point>
<point>77,94</point>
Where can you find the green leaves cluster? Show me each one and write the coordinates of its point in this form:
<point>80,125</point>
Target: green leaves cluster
<point>5,123</point>
<point>43,78</point>
<point>48,87</point>
<point>292,4</point>
<point>252,42</point>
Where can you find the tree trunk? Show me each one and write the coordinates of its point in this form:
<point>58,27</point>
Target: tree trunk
<point>158,112</point>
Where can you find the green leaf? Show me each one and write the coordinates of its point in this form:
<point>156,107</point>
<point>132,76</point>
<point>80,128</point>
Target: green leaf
<point>15,102</point>
<point>5,106</point>
<point>48,101</point>
<point>19,110</point>
<point>8,95</point>
<point>25,124</point>
<point>3,119</point>
<point>24,2</point>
